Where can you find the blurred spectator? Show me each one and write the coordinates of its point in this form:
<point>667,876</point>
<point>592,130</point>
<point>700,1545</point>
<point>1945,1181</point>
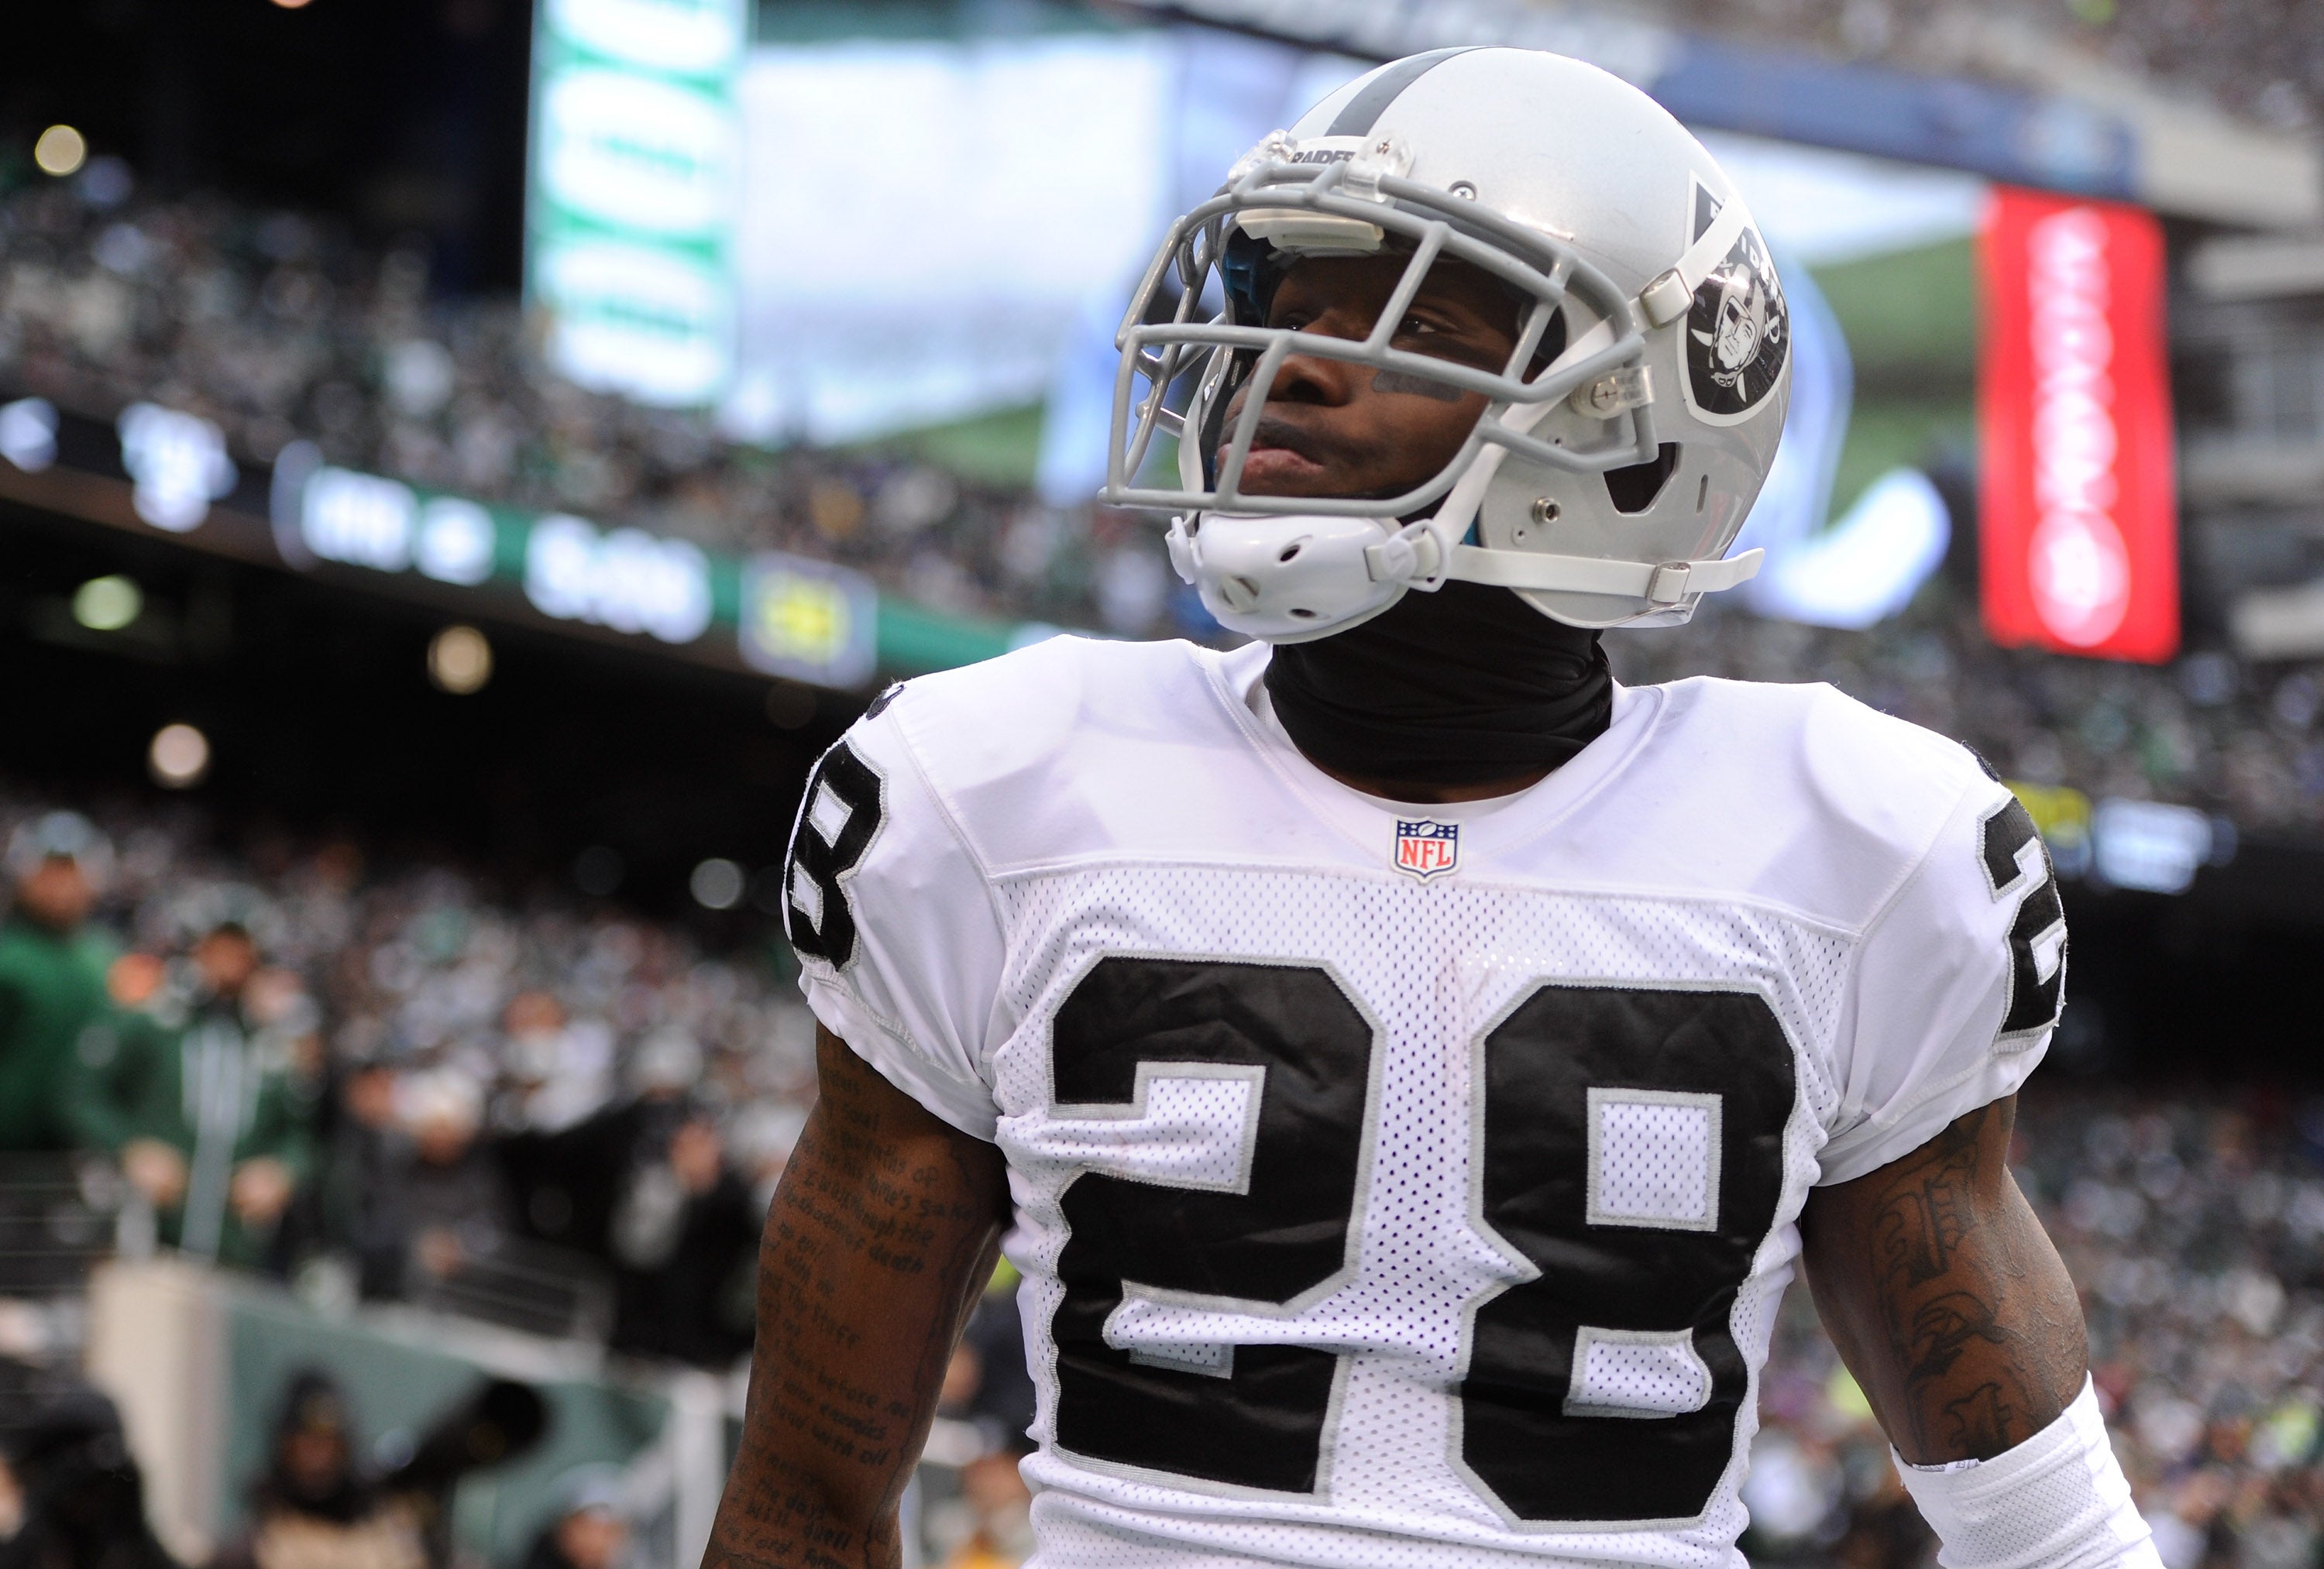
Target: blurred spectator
<point>314,1509</point>
<point>686,1238</point>
<point>201,1096</point>
<point>1884,1528</point>
<point>52,966</point>
<point>351,1207</point>
<point>763,1135</point>
<point>496,1423</point>
<point>1000,1402</point>
<point>441,1200</point>
<point>1000,1508</point>
<point>559,1070</point>
<point>983,1408</point>
<point>645,1185</point>
<point>78,1494</point>
<point>431,1002</point>
<point>588,1530</point>
<point>574,1176</point>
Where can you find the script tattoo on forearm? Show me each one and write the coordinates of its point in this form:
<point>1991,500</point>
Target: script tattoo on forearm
<point>884,1226</point>
<point>1946,1297</point>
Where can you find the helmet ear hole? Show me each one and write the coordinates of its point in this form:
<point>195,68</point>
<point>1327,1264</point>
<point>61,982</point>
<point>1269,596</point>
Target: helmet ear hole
<point>1635,488</point>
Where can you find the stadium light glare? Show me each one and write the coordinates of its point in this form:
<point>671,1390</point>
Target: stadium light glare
<point>178,757</point>
<point>717,883</point>
<point>459,660</point>
<point>107,604</point>
<point>60,151</point>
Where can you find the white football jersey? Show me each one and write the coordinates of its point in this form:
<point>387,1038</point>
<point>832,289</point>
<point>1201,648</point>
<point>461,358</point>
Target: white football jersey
<point>1405,1186</point>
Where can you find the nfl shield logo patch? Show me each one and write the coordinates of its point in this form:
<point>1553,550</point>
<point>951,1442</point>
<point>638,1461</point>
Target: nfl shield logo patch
<point>1426,847</point>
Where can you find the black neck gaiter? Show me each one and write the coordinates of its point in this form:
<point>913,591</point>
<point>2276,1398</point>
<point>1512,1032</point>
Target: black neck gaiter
<point>1461,686</point>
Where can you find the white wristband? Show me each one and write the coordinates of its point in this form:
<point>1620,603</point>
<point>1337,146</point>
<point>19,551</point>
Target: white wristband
<point>2058,1500</point>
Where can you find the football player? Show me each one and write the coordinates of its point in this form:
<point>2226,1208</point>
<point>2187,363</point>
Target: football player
<point>1406,1066</point>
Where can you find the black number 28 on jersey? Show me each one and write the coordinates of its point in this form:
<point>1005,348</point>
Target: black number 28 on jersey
<point>837,817</point>
<point>1630,1163</point>
<point>2017,866</point>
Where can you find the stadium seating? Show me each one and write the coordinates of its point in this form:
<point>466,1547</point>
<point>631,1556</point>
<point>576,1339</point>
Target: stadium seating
<point>281,328</point>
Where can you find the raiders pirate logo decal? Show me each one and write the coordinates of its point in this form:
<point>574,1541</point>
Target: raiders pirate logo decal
<point>1738,331</point>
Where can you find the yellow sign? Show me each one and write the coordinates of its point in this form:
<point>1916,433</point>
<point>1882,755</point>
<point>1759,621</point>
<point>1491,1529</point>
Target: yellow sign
<point>808,620</point>
<point>2060,812</point>
<point>804,619</point>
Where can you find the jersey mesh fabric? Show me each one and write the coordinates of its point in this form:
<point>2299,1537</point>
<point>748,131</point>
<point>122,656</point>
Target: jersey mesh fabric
<point>1664,1377</point>
<point>1433,966</point>
<point>1078,805</point>
<point>1654,1161</point>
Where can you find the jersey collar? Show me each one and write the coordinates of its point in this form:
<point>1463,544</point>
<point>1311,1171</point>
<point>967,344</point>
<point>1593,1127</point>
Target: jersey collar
<point>1500,823</point>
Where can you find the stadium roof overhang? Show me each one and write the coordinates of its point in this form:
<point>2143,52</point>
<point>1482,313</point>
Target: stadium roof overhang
<point>2034,115</point>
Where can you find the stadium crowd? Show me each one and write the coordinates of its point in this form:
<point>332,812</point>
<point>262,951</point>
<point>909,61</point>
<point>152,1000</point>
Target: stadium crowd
<point>385,1083</point>
<point>278,328</point>
<point>2260,58</point>
<point>2211,730</point>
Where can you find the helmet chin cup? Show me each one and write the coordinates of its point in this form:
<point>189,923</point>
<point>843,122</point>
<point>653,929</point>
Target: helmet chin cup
<point>1182,551</point>
<point>1291,578</point>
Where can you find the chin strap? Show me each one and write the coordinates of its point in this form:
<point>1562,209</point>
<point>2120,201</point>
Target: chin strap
<point>1660,583</point>
<point>1414,556</point>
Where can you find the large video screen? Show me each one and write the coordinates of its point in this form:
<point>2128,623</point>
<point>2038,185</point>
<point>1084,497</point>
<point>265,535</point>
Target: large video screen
<point>833,225</point>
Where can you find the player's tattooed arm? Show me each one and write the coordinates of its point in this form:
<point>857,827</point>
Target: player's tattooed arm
<point>884,1229</point>
<point>1945,1296</point>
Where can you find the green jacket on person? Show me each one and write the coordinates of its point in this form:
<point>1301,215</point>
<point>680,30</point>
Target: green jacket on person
<point>52,989</point>
<point>192,1073</point>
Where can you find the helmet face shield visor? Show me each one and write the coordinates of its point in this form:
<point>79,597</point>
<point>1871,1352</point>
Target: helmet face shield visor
<point>1183,358</point>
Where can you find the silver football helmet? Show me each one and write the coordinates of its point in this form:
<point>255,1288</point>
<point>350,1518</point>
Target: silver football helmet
<point>1624,440</point>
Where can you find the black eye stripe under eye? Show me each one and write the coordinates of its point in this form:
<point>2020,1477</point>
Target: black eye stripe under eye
<point>1398,381</point>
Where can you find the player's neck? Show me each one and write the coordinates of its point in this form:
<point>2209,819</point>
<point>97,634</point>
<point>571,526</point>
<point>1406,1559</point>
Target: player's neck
<point>1416,793</point>
<point>1462,694</point>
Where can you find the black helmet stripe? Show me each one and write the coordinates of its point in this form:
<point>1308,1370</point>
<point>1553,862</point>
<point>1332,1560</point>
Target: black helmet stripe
<point>1356,116</point>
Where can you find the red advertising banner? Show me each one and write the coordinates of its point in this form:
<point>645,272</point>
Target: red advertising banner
<point>2078,529</point>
